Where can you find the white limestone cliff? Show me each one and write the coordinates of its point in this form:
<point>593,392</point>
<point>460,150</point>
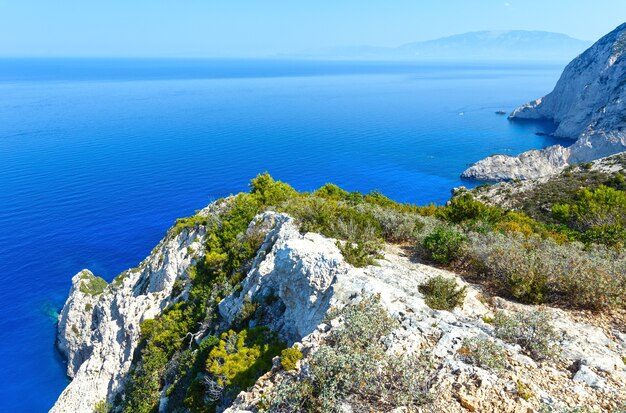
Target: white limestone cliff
<point>587,105</point>
<point>98,333</point>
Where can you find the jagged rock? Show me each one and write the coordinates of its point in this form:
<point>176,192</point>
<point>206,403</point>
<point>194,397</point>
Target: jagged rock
<point>587,376</point>
<point>588,105</point>
<point>99,333</point>
<point>528,165</point>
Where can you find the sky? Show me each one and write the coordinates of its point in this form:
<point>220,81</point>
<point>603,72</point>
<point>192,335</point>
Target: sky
<point>254,28</point>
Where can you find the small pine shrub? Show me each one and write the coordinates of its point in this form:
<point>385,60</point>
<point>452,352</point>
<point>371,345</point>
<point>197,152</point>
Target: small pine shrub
<point>483,353</point>
<point>289,357</point>
<point>102,407</point>
<point>241,357</point>
<point>532,330</point>
<point>523,390</point>
<point>443,244</point>
<point>442,293</point>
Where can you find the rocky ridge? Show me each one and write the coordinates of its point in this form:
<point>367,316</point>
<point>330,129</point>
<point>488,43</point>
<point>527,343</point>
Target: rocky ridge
<point>587,105</point>
<point>308,275</point>
<point>98,331</point>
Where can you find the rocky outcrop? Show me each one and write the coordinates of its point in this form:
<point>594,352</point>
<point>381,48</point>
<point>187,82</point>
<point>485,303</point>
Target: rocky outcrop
<point>98,329</point>
<point>587,105</point>
<point>528,165</point>
<point>519,194</point>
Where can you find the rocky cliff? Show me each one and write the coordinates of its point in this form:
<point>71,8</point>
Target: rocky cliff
<point>587,105</point>
<point>98,328</point>
<point>301,278</point>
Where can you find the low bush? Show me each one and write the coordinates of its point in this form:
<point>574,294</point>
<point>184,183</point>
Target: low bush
<point>535,270</point>
<point>91,284</point>
<point>289,357</point>
<point>359,254</point>
<point>355,368</point>
<point>483,353</point>
<point>443,293</point>
<point>601,211</point>
<point>444,244</point>
<point>397,226</point>
<point>240,358</point>
<point>532,330</point>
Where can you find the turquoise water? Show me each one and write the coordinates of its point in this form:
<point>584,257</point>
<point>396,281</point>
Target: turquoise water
<point>98,157</point>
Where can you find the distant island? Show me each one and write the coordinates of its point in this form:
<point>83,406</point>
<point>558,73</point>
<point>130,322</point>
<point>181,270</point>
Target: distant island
<point>483,45</point>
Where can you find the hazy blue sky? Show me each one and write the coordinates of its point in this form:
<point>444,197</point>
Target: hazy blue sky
<point>266,27</point>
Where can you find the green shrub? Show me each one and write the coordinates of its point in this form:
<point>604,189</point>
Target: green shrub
<point>332,191</point>
<point>523,390</point>
<point>602,209</point>
<point>464,207</point>
<point>442,293</point>
<point>246,313</point>
<point>240,358</point>
<point>397,226</point>
<point>354,367</point>
<point>270,192</point>
<point>289,357</point>
<point>188,223</point>
<point>535,270</point>
<point>483,353</point>
<point>359,254</point>
<point>91,284</point>
<point>102,407</point>
<point>532,330</point>
<point>443,244</point>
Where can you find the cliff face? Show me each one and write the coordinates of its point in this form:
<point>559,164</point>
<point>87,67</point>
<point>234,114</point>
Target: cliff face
<point>98,329</point>
<point>306,275</point>
<point>588,105</point>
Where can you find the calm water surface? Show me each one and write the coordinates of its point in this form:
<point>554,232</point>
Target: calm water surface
<point>98,157</point>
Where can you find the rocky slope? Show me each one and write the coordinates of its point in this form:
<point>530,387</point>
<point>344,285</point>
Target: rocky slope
<point>306,276</point>
<point>587,105</point>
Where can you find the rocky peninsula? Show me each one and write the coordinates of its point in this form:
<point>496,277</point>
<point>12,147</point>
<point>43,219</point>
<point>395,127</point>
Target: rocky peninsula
<point>587,105</point>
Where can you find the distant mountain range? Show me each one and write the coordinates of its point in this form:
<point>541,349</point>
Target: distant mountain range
<point>484,45</point>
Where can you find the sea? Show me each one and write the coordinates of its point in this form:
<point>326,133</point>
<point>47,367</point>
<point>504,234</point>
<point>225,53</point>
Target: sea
<point>98,157</point>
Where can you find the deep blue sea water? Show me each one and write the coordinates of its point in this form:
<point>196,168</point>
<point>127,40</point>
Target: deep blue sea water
<point>98,158</point>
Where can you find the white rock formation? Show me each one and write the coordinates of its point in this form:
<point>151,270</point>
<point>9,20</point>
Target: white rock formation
<point>588,104</point>
<point>528,165</point>
<point>99,333</point>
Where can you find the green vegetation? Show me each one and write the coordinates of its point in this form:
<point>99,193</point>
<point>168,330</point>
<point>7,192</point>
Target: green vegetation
<point>92,285</point>
<point>443,293</point>
<point>355,365</point>
<point>444,244</point>
<point>532,330</point>
<point>483,353</point>
<point>102,407</point>
<point>523,390</point>
<point>289,357</point>
<point>599,215</point>
<point>573,255</point>
<point>240,358</point>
